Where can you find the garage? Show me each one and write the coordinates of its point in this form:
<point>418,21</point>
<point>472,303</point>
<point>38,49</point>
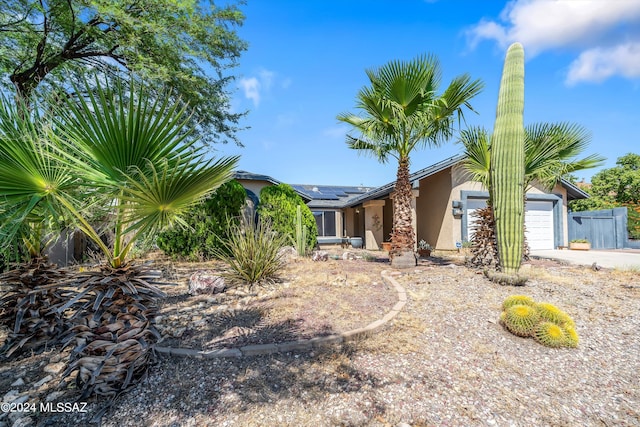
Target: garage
<point>538,222</point>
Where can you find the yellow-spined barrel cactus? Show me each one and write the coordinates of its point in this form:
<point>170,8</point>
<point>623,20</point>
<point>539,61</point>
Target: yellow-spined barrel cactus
<point>517,300</point>
<point>521,319</point>
<point>543,321</point>
<point>553,314</point>
<point>550,334</point>
<point>572,337</point>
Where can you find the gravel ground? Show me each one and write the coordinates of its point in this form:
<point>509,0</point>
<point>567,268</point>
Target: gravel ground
<point>444,360</point>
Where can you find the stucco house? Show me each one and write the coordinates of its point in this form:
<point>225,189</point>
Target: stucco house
<point>444,199</point>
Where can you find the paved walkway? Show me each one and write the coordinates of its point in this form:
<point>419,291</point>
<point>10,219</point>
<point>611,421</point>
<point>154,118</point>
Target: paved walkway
<point>623,259</point>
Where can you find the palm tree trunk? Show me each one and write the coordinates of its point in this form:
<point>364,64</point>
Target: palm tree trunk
<point>402,238</point>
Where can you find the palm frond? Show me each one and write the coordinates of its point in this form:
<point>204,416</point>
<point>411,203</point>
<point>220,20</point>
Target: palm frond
<point>156,196</point>
<point>477,162</point>
<point>401,109</point>
<point>114,129</point>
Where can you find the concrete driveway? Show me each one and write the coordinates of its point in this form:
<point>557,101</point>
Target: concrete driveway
<point>622,259</point>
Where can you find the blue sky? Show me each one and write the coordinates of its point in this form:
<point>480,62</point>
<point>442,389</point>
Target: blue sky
<point>306,62</point>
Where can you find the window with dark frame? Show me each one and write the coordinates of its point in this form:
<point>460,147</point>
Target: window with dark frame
<point>326,222</point>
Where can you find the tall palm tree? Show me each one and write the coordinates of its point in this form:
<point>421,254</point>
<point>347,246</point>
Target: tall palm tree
<point>400,111</point>
<point>551,152</point>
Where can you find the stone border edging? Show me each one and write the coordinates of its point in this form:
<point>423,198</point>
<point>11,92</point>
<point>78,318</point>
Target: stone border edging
<point>299,345</point>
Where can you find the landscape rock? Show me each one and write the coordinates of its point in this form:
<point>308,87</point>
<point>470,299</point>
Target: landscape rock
<point>206,282</point>
<point>287,253</point>
<point>348,256</point>
<point>320,256</point>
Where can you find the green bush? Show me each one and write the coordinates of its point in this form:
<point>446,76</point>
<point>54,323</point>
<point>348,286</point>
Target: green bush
<point>278,204</point>
<point>252,251</point>
<point>207,224</point>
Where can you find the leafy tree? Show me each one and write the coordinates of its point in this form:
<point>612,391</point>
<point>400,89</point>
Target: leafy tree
<point>207,224</point>
<point>616,187</point>
<point>402,110</point>
<point>164,43</point>
<point>278,205</point>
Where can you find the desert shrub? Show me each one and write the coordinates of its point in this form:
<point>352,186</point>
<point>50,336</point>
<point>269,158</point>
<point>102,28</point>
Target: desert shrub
<point>251,251</point>
<point>545,322</point>
<point>206,224</point>
<point>278,204</point>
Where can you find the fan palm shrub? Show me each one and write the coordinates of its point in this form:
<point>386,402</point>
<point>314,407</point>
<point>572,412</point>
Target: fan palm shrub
<point>138,158</point>
<point>128,158</point>
<point>29,217</point>
<point>402,110</point>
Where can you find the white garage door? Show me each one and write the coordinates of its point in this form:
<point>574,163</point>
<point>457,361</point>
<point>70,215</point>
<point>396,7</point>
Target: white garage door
<point>538,222</point>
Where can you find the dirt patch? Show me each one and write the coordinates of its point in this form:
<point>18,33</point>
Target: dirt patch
<point>311,299</point>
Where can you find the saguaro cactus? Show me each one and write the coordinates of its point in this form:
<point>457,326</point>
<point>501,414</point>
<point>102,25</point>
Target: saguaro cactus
<point>507,162</point>
<point>301,233</point>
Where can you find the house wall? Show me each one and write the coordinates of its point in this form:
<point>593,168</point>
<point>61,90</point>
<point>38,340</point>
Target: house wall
<point>435,223</point>
<point>254,185</point>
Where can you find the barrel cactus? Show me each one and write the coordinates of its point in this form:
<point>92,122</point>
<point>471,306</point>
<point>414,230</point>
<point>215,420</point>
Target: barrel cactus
<point>543,321</point>
<point>572,337</point>
<point>553,314</point>
<point>550,334</point>
<point>521,320</point>
<point>507,162</point>
<point>517,300</point>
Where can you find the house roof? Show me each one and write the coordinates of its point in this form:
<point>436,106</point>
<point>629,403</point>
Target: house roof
<point>249,176</point>
<point>414,178</point>
<point>573,192</point>
<point>330,196</point>
<point>336,197</point>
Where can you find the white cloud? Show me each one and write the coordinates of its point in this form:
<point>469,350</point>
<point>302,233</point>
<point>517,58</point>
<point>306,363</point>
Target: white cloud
<point>598,64</point>
<point>545,24</point>
<point>594,27</point>
<point>251,88</point>
<point>266,78</point>
<point>255,87</point>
